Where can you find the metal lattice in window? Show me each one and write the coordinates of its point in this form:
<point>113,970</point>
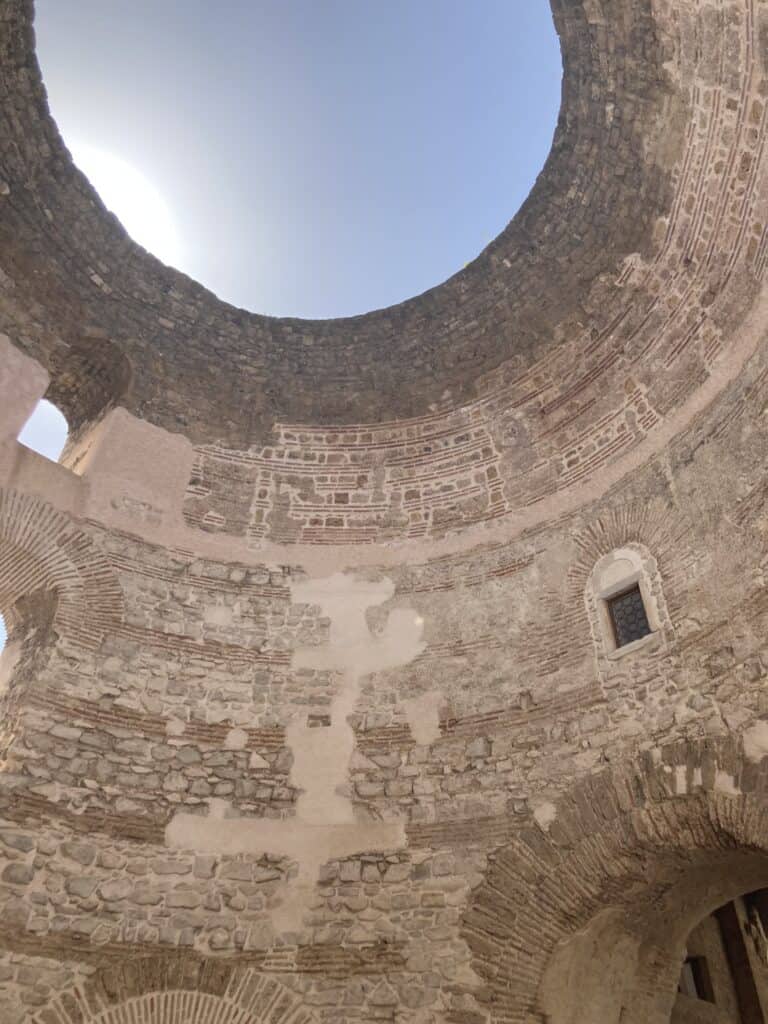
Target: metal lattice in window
<point>628,616</point>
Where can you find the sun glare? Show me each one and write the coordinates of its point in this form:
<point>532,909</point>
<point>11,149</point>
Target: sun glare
<point>135,201</point>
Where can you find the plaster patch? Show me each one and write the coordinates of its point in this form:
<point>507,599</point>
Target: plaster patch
<point>726,783</point>
<point>545,813</point>
<point>224,834</point>
<point>218,615</point>
<point>423,715</point>
<point>325,826</point>
<point>617,571</point>
<point>236,739</point>
<point>756,741</point>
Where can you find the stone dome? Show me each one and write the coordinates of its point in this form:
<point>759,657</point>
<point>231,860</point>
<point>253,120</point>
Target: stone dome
<point>317,703</point>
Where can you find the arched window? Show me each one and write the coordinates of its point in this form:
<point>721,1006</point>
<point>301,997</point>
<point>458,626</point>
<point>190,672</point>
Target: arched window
<point>625,602</point>
<point>45,431</point>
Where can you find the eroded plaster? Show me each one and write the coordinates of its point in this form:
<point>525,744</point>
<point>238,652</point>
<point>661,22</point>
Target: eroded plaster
<point>326,824</point>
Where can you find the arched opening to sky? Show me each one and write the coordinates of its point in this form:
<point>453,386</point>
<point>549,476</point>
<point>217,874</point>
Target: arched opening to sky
<point>307,159</point>
<point>45,431</point>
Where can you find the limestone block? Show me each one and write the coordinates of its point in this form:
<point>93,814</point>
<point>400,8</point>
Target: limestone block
<point>137,472</point>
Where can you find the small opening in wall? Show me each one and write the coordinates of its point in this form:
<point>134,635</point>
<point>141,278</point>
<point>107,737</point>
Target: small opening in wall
<point>757,911</point>
<point>695,980</point>
<point>46,430</point>
<point>628,616</point>
<point>3,633</point>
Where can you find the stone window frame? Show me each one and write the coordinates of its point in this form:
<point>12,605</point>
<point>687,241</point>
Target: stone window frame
<point>616,572</point>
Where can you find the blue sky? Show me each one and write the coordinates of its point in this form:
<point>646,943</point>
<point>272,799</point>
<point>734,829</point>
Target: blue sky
<point>316,158</point>
<point>45,432</point>
<point>320,157</point>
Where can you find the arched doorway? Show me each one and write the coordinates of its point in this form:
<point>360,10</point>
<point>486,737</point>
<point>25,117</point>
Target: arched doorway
<point>724,976</point>
<point>589,921</point>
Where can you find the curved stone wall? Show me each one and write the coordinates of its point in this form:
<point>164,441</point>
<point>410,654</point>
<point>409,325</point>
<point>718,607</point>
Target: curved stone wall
<point>601,340</point>
<point>309,694</point>
<point>666,844</point>
<point>221,374</point>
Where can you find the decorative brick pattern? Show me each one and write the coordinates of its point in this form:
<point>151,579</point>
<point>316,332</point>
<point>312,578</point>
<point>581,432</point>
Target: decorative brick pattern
<point>206,993</point>
<point>41,549</point>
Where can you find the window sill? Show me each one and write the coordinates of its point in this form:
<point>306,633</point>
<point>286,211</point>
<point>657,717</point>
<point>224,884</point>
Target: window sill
<point>649,640</point>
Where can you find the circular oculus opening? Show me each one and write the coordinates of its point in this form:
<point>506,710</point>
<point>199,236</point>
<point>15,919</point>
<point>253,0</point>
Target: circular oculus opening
<point>304,159</point>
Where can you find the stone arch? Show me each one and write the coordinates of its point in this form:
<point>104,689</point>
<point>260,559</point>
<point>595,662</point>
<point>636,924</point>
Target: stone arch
<point>88,378</point>
<point>166,990</point>
<point>171,1007</point>
<point>604,897</point>
<point>42,550</point>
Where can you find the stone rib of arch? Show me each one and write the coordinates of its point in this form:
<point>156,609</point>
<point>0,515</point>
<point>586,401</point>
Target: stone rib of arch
<point>173,989</point>
<point>694,806</point>
<point>172,1007</point>
<point>43,549</point>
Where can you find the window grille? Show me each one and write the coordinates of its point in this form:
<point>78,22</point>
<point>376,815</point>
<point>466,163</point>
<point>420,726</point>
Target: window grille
<point>628,616</point>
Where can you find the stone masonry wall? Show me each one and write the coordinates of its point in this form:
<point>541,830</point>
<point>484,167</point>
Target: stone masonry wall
<point>309,713</point>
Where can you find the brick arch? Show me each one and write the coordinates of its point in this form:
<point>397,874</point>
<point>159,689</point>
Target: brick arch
<point>586,919</point>
<point>656,529</point>
<point>41,549</point>
<point>173,1007</point>
<point>73,264</point>
<point>169,990</point>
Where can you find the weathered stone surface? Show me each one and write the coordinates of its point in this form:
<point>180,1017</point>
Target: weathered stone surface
<point>312,705</point>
